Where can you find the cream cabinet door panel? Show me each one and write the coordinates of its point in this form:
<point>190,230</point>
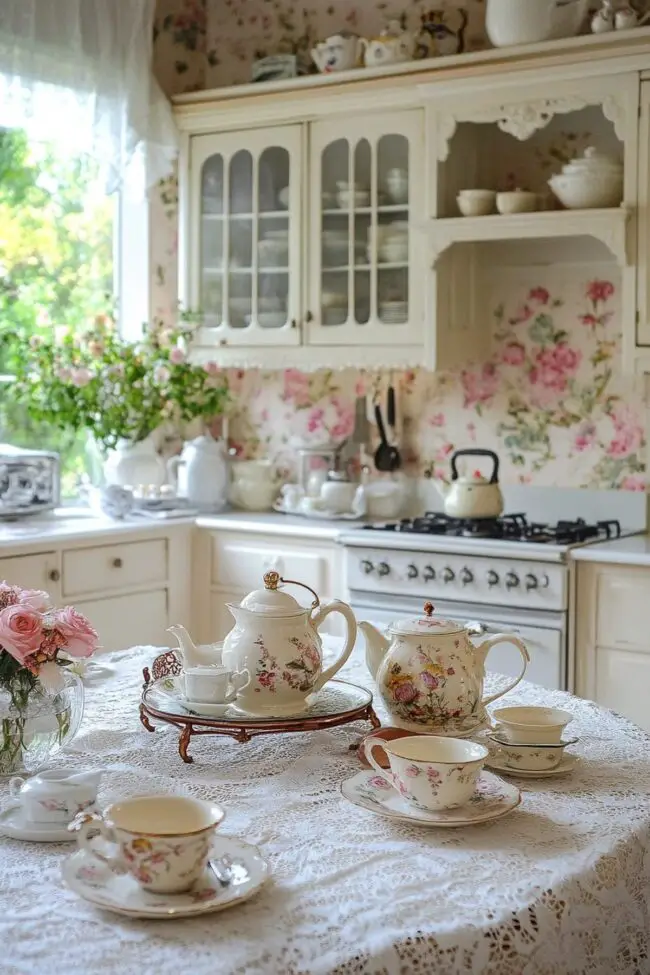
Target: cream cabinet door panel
<point>622,682</point>
<point>32,572</point>
<point>139,619</point>
<point>245,244</point>
<point>114,566</point>
<point>366,251</point>
<point>240,561</point>
<point>623,608</point>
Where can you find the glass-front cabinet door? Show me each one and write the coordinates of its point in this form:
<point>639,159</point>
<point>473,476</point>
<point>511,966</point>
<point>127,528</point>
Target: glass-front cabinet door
<point>245,231</point>
<point>366,188</point>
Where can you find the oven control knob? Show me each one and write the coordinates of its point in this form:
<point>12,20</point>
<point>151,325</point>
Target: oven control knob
<point>466,576</point>
<point>367,566</point>
<point>492,578</point>
<point>412,571</point>
<point>448,575</point>
<point>512,580</point>
<point>429,573</point>
<point>532,582</point>
<point>383,569</point>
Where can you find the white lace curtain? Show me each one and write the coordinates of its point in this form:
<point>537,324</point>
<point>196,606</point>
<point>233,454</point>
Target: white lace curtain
<point>78,73</point>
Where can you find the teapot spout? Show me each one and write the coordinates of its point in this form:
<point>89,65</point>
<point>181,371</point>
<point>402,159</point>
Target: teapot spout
<point>441,487</point>
<point>192,655</point>
<point>376,646</point>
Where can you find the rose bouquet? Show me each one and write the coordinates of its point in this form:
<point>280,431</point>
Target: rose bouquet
<point>36,644</point>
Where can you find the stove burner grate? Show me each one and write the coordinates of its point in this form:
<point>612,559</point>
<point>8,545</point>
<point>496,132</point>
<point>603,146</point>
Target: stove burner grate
<point>515,527</point>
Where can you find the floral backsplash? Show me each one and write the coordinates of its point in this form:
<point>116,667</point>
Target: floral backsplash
<point>550,400</point>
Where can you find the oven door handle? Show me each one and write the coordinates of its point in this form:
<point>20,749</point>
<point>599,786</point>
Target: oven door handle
<point>476,628</point>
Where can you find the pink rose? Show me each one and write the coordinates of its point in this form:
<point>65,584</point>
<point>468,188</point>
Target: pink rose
<point>633,482</point>
<point>599,291</point>
<point>96,349</point>
<point>212,368</point>
<point>177,356</point>
<point>36,599</point>
<point>161,374</point>
<point>21,630</point>
<point>405,693</point>
<point>513,354</point>
<point>80,377</point>
<point>437,420</point>
<point>429,680</point>
<point>80,637</point>
<point>539,295</point>
<point>479,386</point>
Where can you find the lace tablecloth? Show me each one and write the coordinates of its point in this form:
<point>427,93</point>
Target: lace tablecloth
<point>560,886</point>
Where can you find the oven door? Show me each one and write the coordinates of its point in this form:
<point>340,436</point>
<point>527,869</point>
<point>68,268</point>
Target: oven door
<point>543,633</point>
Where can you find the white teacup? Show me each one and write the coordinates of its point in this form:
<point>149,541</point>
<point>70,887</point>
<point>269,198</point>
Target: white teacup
<point>532,725</point>
<point>163,842</point>
<point>214,685</point>
<point>56,796</point>
<point>430,771</point>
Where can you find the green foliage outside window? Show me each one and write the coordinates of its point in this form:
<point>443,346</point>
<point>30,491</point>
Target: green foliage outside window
<point>56,269</point>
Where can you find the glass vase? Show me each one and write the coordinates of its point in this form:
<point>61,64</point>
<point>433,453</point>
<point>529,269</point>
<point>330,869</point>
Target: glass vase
<point>33,733</point>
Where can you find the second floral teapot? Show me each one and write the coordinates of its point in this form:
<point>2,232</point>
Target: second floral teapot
<point>276,640</point>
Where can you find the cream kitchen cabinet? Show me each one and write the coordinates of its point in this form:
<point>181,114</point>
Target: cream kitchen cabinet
<point>373,261</point>
<point>302,244</point>
<point>612,644</point>
<point>131,585</point>
<point>230,564</point>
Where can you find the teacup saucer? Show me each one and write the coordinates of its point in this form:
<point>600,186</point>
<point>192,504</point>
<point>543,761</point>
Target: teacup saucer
<point>493,798</point>
<point>498,763</point>
<point>15,824</point>
<point>201,708</point>
<point>97,884</point>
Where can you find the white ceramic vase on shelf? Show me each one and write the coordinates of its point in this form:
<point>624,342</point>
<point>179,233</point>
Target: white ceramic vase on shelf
<point>135,464</point>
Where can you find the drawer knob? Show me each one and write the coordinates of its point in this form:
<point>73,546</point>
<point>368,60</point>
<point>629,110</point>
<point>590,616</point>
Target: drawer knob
<point>54,575</point>
<point>117,563</point>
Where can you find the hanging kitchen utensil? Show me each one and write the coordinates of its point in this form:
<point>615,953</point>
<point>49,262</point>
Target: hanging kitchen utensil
<point>385,452</point>
<point>391,416</point>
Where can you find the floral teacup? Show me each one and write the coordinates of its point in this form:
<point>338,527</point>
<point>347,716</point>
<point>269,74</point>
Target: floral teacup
<point>163,842</point>
<point>431,772</point>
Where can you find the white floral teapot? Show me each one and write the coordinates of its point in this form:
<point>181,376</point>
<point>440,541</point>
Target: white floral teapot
<point>276,640</point>
<point>393,46</point>
<point>430,675</point>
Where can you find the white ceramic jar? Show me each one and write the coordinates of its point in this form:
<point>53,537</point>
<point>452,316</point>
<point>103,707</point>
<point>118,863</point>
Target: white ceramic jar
<point>511,22</point>
<point>201,473</point>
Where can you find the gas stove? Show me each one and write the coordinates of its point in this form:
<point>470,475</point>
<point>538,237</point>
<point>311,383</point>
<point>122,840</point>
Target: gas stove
<point>511,528</point>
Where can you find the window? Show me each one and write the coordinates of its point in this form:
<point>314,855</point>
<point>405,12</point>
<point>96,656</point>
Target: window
<point>57,270</point>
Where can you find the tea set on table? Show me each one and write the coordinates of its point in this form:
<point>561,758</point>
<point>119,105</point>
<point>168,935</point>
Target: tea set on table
<point>160,856</point>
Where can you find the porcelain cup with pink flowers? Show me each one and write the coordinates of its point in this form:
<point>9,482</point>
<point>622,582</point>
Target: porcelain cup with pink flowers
<point>431,772</point>
<point>163,842</point>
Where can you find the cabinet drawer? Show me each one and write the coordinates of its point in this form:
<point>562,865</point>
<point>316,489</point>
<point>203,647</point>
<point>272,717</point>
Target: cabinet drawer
<point>240,563</point>
<point>30,571</point>
<point>623,608</point>
<point>139,619</point>
<point>114,566</point>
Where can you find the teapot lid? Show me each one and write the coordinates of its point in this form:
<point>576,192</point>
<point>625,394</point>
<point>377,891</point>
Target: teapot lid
<point>427,625</point>
<point>272,603</point>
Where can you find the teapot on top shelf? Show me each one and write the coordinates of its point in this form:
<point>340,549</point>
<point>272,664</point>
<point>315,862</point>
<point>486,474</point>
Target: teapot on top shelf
<point>393,46</point>
<point>430,675</point>
<point>340,52</point>
<point>475,496</point>
<point>276,640</point>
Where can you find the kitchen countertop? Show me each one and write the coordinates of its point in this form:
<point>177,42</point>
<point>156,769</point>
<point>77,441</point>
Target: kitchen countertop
<point>68,524</point>
<point>634,550</point>
<point>272,522</point>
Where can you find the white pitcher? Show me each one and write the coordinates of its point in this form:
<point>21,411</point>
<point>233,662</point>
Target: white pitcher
<point>201,473</point>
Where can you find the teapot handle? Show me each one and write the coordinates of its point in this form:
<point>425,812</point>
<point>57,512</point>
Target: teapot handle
<point>487,645</point>
<point>475,452</point>
<point>336,606</point>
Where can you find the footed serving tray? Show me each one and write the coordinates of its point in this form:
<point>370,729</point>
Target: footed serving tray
<point>338,703</point>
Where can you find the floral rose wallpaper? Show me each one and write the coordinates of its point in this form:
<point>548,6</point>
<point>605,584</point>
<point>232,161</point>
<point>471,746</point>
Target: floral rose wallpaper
<point>550,400</point>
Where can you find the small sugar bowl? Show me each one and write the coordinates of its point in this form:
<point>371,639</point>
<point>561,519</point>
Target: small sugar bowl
<point>56,796</point>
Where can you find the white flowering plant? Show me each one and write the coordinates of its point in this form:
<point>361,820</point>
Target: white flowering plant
<point>118,390</point>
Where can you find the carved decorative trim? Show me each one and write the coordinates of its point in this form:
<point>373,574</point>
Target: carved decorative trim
<point>522,119</point>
